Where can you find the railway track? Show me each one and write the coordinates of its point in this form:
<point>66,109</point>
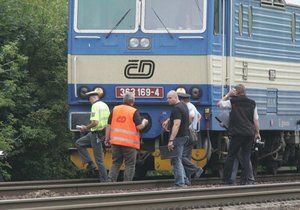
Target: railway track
<point>90,186</point>
<point>47,182</point>
<point>197,197</point>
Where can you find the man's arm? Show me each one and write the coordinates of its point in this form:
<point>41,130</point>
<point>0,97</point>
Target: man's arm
<point>93,119</point>
<point>174,132</point>
<point>142,125</point>
<point>92,124</point>
<point>191,116</point>
<point>175,129</point>
<point>225,102</point>
<point>199,116</point>
<point>139,123</point>
<point>257,134</point>
<point>107,136</point>
<point>107,133</point>
<point>256,124</point>
<point>107,129</point>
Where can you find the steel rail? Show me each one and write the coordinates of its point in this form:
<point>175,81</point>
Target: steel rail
<point>94,187</point>
<point>47,182</point>
<point>170,198</point>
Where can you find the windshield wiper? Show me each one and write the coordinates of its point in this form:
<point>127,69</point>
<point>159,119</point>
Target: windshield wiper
<point>118,23</point>
<point>160,20</point>
<point>197,3</point>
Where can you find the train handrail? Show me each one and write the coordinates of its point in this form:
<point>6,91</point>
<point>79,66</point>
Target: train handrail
<point>75,76</point>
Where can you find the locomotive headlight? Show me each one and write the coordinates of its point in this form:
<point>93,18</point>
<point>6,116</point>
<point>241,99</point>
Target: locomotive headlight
<point>195,92</point>
<point>81,91</point>
<point>134,43</point>
<point>145,42</point>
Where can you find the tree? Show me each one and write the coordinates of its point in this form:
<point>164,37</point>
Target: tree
<point>33,102</point>
<point>12,79</point>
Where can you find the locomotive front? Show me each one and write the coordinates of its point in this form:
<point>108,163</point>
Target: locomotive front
<point>147,47</point>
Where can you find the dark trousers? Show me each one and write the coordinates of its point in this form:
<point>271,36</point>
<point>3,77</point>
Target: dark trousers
<point>120,154</point>
<point>245,144</point>
<point>244,179</point>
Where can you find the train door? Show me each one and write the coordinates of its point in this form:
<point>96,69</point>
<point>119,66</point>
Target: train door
<point>220,69</point>
<point>222,42</point>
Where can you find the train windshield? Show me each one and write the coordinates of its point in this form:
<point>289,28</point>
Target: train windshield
<point>188,16</point>
<point>105,15</point>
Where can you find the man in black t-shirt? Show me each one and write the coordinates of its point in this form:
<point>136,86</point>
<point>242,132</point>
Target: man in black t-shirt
<point>179,131</point>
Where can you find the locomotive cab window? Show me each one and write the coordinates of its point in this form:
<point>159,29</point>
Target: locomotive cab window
<point>177,16</point>
<point>218,16</point>
<point>105,15</point>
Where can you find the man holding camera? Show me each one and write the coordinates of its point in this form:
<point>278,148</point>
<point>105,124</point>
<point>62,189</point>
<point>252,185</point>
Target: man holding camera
<point>243,129</point>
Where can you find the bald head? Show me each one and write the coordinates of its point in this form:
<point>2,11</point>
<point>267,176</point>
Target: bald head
<point>172,97</point>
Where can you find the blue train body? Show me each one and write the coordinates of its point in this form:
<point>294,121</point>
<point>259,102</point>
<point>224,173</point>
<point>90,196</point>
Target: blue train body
<point>256,42</point>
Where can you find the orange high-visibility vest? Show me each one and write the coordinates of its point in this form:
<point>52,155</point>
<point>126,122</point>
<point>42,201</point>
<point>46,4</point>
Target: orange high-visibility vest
<point>123,130</point>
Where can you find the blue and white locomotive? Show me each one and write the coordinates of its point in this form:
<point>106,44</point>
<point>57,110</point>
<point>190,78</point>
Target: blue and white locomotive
<point>204,46</point>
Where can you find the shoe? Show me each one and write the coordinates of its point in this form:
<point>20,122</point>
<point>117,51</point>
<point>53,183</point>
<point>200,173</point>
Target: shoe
<point>228,182</point>
<point>247,183</point>
<point>198,173</point>
<point>91,166</point>
<point>188,183</point>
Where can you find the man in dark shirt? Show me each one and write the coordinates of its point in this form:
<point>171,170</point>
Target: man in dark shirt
<point>179,131</point>
<point>243,129</point>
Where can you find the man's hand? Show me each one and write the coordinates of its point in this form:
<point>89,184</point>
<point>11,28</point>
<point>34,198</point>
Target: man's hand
<point>107,143</point>
<point>145,122</point>
<point>221,125</point>
<point>232,92</point>
<point>257,136</point>
<point>83,128</point>
<point>170,145</point>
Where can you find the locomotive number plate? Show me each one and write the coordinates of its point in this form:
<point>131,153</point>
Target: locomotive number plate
<point>140,91</point>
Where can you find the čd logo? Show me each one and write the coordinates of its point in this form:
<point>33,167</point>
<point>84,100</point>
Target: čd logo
<point>139,69</point>
<point>121,119</point>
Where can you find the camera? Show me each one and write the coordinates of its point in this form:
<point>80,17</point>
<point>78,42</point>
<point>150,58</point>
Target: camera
<point>260,142</point>
<point>258,145</point>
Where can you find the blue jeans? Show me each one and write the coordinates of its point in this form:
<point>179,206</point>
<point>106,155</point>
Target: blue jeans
<point>178,169</point>
<point>91,140</point>
<point>189,167</point>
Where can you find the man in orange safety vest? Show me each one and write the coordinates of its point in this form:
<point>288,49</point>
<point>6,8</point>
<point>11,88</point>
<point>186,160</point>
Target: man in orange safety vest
<point>122,133</point>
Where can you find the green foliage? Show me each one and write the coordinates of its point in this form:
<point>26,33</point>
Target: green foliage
<point>33,89</point>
